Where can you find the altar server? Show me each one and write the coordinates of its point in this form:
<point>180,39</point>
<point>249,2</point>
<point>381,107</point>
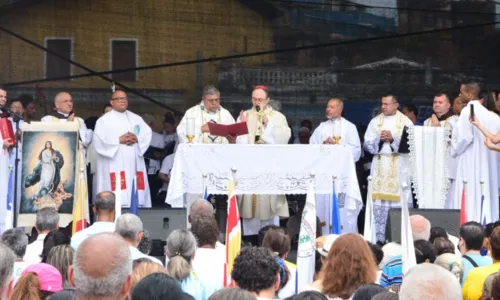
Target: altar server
<point>209,110</point>
<point>390,169</point>
<point>336,131</point>
<point>476,164</point>
<point>265,126</point>
<point>120,140</point>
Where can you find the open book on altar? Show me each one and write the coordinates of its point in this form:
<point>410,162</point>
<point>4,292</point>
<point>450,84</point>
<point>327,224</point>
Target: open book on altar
<point>236,129</point>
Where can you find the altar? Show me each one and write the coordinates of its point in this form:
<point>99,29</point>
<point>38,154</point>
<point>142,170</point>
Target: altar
<point>265,169</point>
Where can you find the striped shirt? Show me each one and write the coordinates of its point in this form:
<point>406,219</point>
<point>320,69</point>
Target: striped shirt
<point>392,273</point>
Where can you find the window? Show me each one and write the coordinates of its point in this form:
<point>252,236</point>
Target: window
<point>55,66</point>
<point>124,56</point>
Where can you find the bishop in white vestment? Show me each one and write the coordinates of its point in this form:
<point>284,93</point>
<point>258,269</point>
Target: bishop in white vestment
<point>120,140</point>
<point>443,117</point>
<point>336,131</point>
<point>477,165</point>
<point>389,168</point>
<point>258,211</point>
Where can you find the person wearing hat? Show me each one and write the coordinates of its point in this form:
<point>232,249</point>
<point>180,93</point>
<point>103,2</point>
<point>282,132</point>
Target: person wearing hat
<point>40,278</point>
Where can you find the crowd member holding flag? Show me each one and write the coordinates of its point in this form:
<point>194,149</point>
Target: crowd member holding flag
<point>477,165</point>
<point>120,140</point>
<point>336,131</point>
<point>382,139</point>
<point>104,210</point>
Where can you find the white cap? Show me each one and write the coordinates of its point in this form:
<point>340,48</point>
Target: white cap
<point>327,245</point>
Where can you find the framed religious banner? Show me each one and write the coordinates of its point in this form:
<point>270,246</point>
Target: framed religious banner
<point>49,169</point>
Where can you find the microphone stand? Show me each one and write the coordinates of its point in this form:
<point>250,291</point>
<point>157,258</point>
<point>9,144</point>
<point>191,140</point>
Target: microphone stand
<point>16,119</point>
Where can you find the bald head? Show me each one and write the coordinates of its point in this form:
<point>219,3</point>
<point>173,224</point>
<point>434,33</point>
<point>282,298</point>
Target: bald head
<point>334,108</point>
<point>119,101</point>
<point>199,208</point>
<point>105,275</point>
<point>421,227</point>
<point>63,103</point>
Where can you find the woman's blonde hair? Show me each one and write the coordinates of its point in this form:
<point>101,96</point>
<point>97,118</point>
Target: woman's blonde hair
<point>28,288</point>
<point>452,263</point>
<point>181,246</point>
<point>145,268</point>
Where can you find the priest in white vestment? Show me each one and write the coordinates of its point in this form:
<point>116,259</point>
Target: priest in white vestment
<point>209,110</point>
<point>120,139</point>
<point>336,131</point>
<point>389,169</point>
<point>5,145</point>
<point>477,165</point>
<point>64,113</point>
<point>443,116</point>
<point>258,211</point>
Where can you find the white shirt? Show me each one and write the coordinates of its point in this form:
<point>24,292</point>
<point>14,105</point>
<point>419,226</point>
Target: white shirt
<point>34,250</point>
<point>208,264</point>
<point>96,228</point>
<point>136,254</point>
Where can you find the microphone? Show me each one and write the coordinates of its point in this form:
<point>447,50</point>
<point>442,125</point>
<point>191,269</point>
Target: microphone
<point>257,108</point>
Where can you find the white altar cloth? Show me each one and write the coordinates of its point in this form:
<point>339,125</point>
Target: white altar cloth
<point>264,169</point>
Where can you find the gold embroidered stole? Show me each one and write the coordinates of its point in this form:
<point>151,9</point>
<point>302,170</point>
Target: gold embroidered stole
<point>386,166</point>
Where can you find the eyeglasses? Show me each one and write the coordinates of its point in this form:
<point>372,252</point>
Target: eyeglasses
<point>119,98</point>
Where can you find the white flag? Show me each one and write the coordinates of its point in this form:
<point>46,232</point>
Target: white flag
<point>409,259</point>
<point>307,242</point>
<point>369,232</point>
<point>118,196</point>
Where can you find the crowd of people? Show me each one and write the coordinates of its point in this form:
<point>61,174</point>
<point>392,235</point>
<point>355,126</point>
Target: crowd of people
<point>111,260</point>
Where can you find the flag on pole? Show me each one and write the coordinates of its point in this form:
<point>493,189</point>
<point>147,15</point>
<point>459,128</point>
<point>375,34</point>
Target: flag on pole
<point>463,212</point>
<point>233,234</point>
<point>409,259</point>
<point>9,217</point>
<point>336,227</point>
<point>483,211</point>
<point>369,232</point>
<point>307,242</point>
<point>118,194</point>
<point>134,201</point>
<point>80,207</point>
<point>205,194</point>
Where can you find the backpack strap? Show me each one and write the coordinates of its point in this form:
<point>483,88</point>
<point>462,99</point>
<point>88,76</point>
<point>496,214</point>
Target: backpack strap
<point>472,262</point>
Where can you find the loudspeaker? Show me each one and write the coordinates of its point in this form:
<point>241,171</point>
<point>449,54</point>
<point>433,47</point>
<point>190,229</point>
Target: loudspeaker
<point>160,222</point>
<point>449,219</point>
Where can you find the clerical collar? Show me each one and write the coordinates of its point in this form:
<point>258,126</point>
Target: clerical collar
<point>335,120</point>
<point>203,109</point>
<point>60,115</point>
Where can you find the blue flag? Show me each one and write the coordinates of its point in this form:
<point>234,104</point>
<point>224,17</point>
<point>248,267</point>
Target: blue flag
<point>336,229</point>
<point>9,218</point>
<point>205,194</point>
<point>483,213</point>
<point>134,202</point>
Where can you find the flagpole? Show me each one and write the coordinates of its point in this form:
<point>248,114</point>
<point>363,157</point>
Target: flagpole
<point>204,184</point>
<point>81,198</point>
<point>368,231</point>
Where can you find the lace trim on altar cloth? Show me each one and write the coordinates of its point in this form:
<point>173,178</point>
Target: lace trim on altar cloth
<point>429,155</point>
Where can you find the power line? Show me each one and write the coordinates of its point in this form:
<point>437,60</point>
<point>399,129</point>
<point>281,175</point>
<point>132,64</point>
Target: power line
<point>124,87</point>
<point>311,3</point>
<point>259,53</point>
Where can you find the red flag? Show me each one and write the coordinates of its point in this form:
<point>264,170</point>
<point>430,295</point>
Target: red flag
<point>463,213</point>
<point>233,234</point>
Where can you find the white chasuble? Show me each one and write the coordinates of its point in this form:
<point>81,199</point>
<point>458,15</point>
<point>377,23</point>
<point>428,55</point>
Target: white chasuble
<point>389,168</point>
<point>113,157</point>
<point>258,211</point>
<point>4,182</point>
<point>346,134</point>
<point>477,165</point>
<point>202,116</point>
